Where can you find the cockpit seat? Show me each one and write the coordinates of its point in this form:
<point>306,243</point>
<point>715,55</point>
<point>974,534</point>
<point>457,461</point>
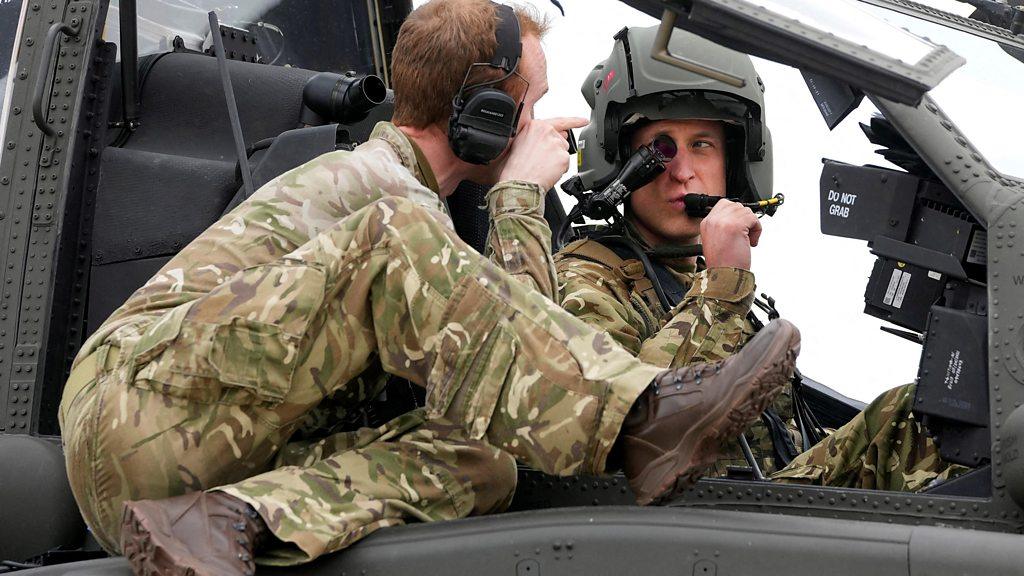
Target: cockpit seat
<point>468,206</point>
<point>38,511</point>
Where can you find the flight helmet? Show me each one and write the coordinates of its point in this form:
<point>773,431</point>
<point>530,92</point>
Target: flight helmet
<point>631,88</point>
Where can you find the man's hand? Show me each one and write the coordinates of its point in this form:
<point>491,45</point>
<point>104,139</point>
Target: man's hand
<point>539,153</point>
<point>727,234</point>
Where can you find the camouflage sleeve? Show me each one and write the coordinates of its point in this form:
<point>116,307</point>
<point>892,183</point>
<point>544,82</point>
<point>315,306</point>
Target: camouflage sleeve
<point>588,294</point>
<point>519,240</point>
<point>709,324</point>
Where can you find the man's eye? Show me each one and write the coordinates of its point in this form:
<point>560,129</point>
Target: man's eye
<point>702,144</point>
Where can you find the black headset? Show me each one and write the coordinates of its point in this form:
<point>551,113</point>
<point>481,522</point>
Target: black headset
<point>484,118</point>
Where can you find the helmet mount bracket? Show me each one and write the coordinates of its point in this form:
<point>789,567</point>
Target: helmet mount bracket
<point>660,53</point>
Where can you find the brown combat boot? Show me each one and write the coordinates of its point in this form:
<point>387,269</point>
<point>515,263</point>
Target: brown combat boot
<point>197,534</point>
<point>677,426</point>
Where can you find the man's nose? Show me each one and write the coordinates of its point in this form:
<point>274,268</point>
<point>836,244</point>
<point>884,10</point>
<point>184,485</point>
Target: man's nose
<point>681,167</point>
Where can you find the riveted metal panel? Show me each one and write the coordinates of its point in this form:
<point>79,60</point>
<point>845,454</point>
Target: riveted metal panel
<point>957,22</point>
<point>852,504</point>
<point>17,183</point>
<point>651,541</point>
<point>749,27</point>
<point>38,170</point>
<point>70,279</point>
<point>998,201</point>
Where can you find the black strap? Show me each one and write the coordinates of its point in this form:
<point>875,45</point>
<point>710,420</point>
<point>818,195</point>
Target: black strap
<point>674,290</point>
<point>609,238</point>
<point>782,441</point>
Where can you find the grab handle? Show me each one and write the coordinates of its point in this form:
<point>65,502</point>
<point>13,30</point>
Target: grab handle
<point>49,45</point>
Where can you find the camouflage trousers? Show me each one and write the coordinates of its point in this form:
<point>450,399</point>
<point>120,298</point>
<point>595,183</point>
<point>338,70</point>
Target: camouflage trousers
<point>884,448</point>
<point>759,439</point>
<point>209,395</point>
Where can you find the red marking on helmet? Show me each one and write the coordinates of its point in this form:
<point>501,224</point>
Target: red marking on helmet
<point>608,80</point>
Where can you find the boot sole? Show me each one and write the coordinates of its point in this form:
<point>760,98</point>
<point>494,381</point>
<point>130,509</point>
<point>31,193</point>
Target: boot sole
<point>680,468</point>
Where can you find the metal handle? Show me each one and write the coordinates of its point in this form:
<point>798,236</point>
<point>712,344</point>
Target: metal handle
<point>48,46</point>
<point>660,53</point>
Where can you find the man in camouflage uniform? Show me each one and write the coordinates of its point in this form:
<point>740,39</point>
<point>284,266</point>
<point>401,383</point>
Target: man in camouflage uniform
<point>884,447</point>
<point>180,410</point>
<point>710,322</point>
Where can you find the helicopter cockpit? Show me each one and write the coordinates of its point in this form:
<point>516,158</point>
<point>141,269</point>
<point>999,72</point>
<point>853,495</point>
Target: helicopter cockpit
<point>927,97</point>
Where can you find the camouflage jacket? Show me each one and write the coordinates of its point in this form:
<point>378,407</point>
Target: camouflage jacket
<point>615,295</point>
<point>274,222</point>
<point>709,323</point>
<point>387,164</point>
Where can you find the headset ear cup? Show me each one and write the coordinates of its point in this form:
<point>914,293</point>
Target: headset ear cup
<point>456,132</point>
<point>480,128</point>
<point>484,118</point>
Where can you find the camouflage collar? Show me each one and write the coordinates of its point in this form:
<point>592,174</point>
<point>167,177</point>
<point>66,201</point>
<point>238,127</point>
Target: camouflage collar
<point>408,152</point>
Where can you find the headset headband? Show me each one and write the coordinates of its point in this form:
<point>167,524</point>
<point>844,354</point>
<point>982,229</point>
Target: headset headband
<point>509,42</point>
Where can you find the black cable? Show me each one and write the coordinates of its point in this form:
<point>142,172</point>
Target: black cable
<point>800,424</point>
<point>648,267</point>
<point>817,428</point>
<point>559,238</point>
<point>811,431</point>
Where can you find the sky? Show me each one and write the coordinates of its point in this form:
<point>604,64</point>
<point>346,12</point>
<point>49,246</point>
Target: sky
<point>818,281</point>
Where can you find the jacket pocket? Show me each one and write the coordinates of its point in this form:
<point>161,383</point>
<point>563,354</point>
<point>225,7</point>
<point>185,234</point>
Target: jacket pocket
<point>475,401</point>
<point>255,359</point>
<point>474,355</point>
<point>239,344</point>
